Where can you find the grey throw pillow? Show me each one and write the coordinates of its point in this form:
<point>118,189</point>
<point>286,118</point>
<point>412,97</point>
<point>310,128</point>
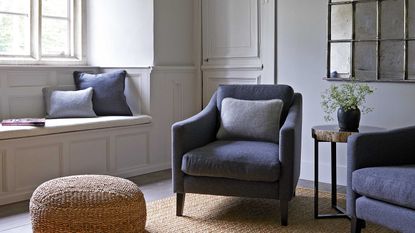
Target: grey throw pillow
<point>108,98</point>
<point>250,119</point>
<point>65,104</point>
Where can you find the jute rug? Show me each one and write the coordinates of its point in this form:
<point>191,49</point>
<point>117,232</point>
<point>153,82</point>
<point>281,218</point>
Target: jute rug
<point>205,213</point>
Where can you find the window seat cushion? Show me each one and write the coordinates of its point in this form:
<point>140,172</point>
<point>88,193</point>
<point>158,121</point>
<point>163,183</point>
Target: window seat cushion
<point>66,125</point>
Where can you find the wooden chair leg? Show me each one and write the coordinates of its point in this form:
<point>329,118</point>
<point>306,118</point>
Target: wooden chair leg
<point>356,225</point>
<point>180,204</point>
<point>284,212</point>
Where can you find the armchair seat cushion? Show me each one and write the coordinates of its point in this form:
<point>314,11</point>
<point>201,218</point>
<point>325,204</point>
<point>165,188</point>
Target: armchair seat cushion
<point>240,160</point>
<point>395,185</point>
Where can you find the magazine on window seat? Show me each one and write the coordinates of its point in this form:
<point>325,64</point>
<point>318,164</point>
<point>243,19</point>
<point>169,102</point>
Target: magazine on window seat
<point>39,122</point>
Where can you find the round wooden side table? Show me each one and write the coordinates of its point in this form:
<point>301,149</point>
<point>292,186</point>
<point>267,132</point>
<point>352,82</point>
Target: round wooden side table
<point>333,135</point>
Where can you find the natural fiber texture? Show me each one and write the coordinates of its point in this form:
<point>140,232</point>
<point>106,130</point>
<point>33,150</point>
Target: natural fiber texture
<point>203,213</point>
<point>89,203</point>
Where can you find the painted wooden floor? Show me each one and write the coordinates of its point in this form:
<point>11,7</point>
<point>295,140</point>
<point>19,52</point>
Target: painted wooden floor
<point>14,218</point>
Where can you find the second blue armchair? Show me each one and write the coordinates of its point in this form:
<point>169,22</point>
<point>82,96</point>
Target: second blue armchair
<point>381,179</point>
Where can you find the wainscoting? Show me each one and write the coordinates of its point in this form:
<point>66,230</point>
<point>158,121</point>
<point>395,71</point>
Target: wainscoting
<point>212,78</point>
<point>167,94</point>
<point>173,98</point>
<point>28,162</point>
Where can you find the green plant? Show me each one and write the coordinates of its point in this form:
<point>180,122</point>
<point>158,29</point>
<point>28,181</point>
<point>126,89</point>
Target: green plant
<point>350,95</point>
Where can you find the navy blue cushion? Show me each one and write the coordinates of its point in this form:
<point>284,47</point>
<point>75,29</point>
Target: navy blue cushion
<point>108,98</point>
<point>258,92</point>
<point>395,185</point>
<point>241,160</point>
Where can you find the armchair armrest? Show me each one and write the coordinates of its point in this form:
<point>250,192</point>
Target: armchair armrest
<point>389,148</point>
<point>189,134</point>
<point>290,149</point>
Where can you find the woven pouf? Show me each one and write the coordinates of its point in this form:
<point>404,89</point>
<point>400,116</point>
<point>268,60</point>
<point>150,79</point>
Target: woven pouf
<point>88,203</point>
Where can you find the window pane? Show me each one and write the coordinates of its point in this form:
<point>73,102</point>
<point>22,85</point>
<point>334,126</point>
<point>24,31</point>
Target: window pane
<point>391,60</point>
<point>366,16</point>
<point>341,22</point>
<point>365,60</point>
<point>15,6</point>
<point>411,18</point>
<point>411,60</point>
<point>14,35</point>
<point>55,37</point>
<point>340,59</point>
<point>57,8</point>
<point>392,19</point>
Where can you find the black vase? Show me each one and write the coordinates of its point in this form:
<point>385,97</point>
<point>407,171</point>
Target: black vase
<point>348,120</point>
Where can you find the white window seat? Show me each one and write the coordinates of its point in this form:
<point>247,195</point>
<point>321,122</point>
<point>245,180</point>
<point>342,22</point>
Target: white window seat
<point>118,146</point>
<point>67,125</point>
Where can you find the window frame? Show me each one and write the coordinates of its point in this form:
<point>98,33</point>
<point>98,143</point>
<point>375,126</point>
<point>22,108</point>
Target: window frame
<point>76,39</point>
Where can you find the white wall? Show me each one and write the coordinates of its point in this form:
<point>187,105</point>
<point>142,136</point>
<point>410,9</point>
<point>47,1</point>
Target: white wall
<point>301,64</point>
<point>120,33</point>
<point>176,39</point>
<point>173,32</point>
<point>136,32</point>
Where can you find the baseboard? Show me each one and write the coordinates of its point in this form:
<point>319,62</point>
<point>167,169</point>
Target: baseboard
<point>143,170</point>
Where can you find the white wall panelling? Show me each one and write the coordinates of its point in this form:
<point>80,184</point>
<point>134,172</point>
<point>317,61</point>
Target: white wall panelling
<point>124,144</point>
<point>267,41</point>
<point>197,49</point>
<point>172,99</point>
<point>3,182</point>
<point>98,154</point>
<point>237,35</point>
<point>213,78</point>
<point>231,32</point>
<point>34,163</point>
<point>121,151</point>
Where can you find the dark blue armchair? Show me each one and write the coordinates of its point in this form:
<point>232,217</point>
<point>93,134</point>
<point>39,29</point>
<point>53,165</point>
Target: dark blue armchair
<point>381,179</point>
<point>241,168</point>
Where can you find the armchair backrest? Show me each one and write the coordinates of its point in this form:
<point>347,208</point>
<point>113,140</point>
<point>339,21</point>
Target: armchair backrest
<point>257,92</point>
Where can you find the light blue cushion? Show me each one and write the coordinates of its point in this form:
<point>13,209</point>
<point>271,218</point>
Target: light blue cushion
<point>250,119</point>
<point>257,92</point>
<point>68,104</point>
<point>240,160</point>
<point>395,185</point>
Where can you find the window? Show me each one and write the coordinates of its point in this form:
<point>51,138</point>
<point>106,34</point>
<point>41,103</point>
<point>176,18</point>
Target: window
<point>371,40</point>
<point>40,31</point>
<point>14,27</point>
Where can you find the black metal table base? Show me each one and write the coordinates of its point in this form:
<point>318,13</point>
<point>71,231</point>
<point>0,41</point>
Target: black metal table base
<point>341,213</point>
